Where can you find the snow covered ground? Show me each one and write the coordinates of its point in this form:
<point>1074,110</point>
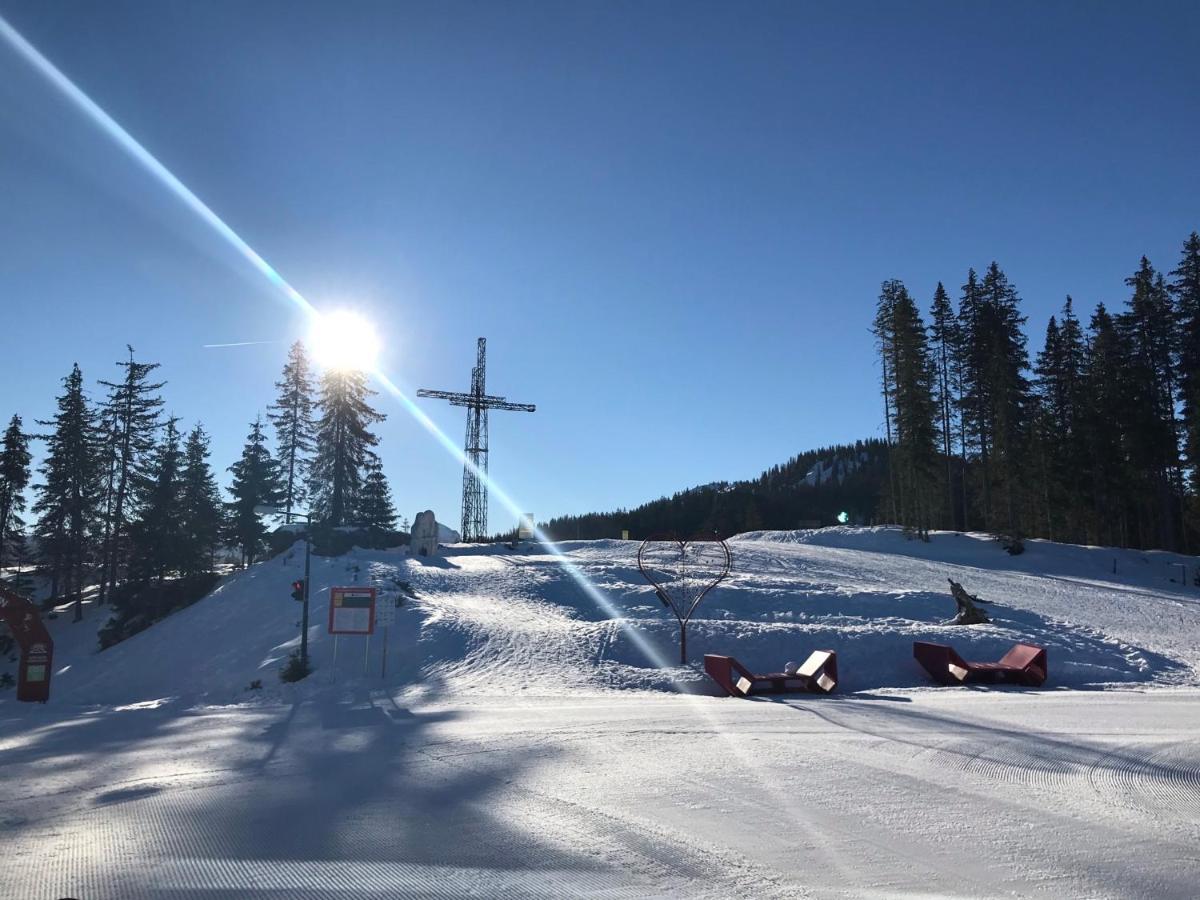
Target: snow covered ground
<point>525,742</point>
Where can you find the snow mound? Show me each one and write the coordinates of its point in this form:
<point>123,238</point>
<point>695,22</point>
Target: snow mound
<point>489,621</point>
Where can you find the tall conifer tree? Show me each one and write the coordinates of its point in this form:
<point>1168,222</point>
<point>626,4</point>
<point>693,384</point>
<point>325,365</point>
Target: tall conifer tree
<point>131,416</point>
<point>67,498</point>
<point>972,390</point>
<point>14,478</point>
<point>375,509</point>
<point>255,482</point>
<point>1102,424</point>
<point>909,394</point>
<point>1147,330</point>
<point>884,329</point>
<point>944,333</point>
<point>200,506</point>
<point>344,444</point>
<point>291,414</point>
<point>1185,288</point>
<point>916,414</point>
<point>157,535</point>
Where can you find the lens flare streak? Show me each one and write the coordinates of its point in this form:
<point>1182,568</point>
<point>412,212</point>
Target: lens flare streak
<point>127,142</point>
<point>28,52</point>
<point>143,156</point>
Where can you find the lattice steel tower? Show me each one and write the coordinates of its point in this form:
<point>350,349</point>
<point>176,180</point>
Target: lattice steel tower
<point>477,402</point>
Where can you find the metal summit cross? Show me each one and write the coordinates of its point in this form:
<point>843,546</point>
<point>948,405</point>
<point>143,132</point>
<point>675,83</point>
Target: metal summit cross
<point>477,402</point>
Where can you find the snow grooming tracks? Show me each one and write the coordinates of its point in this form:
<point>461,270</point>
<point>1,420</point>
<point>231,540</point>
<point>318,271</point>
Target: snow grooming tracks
<point>1151,776</point>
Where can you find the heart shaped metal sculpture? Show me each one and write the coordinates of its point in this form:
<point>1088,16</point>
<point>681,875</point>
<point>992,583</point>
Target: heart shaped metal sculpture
<point>682,572</point>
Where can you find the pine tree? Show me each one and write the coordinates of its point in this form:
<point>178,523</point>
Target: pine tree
<point>157,534</point>
<point>1102,422</point>
<point>885,344</point>
<point>916,413</point>
<point>996,401</point>
<point>1008,361</point>
<point>375,509</point>
<point>1061,454</point>
<point>292,417</point>
<point>908,395</point>
<point>255,482</point>
<point>67,498</point>
<point>1185,288</point>
<point>131,418</point>
<point>1049,396</point>
<point>14,478</point>
<point>200,506</point>
<point>344,444</point>
<point>972,388</point>
<point>1148,332</point>
<point>944,332</point>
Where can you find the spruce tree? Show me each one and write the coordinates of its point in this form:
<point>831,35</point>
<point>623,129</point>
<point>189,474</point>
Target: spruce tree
<point>157,534</point>
<point>1102,423</point>
<point>255,482</point>
<point>915,456</point>
<point>1147,331</point>
<point>1185,288</point>
<point>131,417</point>
<point>1010,361</point>
<point>972,390</point>
<point>375,509</point>
<point>1046,447</point>
<point>909,402</point>
<point>14,478</point>
<point>344,443</point>
<point>67,498</point>
<point>944,334</point>
<point>201,512</point>
<point>1061,453</point>
<point>291,415</point>
<point>996,393</point>
<point>884,329</point>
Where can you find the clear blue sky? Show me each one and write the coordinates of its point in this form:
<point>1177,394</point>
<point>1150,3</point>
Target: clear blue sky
<point>669,219</point>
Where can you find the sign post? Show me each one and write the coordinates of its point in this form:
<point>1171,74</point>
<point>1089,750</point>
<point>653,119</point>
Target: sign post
<point>385,615</point>
<point>351,611</point>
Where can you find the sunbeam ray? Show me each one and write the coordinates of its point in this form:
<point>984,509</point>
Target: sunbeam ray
<point>125,140</point>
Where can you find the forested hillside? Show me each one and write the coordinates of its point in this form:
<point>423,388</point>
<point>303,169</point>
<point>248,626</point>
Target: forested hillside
<point>808,490</point>
<point>1095,439</point>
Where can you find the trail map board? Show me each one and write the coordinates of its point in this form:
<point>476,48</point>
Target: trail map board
<point>352,610</point>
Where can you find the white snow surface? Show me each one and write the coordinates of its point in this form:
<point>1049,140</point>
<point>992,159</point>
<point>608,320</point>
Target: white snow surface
<point>528,740</point>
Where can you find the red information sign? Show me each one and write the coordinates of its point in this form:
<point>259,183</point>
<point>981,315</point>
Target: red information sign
<point>37,647</point>
<point>352,610</point>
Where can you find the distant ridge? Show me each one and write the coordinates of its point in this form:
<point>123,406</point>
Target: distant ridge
<point>809,490</point>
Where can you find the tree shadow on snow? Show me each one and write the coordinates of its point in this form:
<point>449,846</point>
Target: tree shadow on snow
<point>347,781</point>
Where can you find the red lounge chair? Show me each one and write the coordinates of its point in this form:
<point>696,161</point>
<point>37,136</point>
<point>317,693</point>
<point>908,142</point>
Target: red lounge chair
<point>818,675</point>
<point>1023,664</point>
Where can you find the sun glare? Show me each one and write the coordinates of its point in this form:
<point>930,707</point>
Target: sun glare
<point>344,340</point>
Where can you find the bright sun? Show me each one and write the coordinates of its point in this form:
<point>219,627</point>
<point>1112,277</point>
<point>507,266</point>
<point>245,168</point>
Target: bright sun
<point>344,340</point>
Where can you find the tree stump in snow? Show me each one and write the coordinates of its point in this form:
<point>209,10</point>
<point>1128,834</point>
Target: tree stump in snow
<point>968,612</point>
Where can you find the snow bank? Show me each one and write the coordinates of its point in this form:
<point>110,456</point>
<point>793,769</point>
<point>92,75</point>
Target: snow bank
<point>489,621</point>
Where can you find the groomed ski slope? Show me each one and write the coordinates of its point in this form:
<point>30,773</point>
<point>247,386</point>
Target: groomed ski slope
<point>524,743</point>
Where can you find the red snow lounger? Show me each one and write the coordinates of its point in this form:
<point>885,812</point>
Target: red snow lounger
<point>1023,664</point>
<point>818,675</point>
